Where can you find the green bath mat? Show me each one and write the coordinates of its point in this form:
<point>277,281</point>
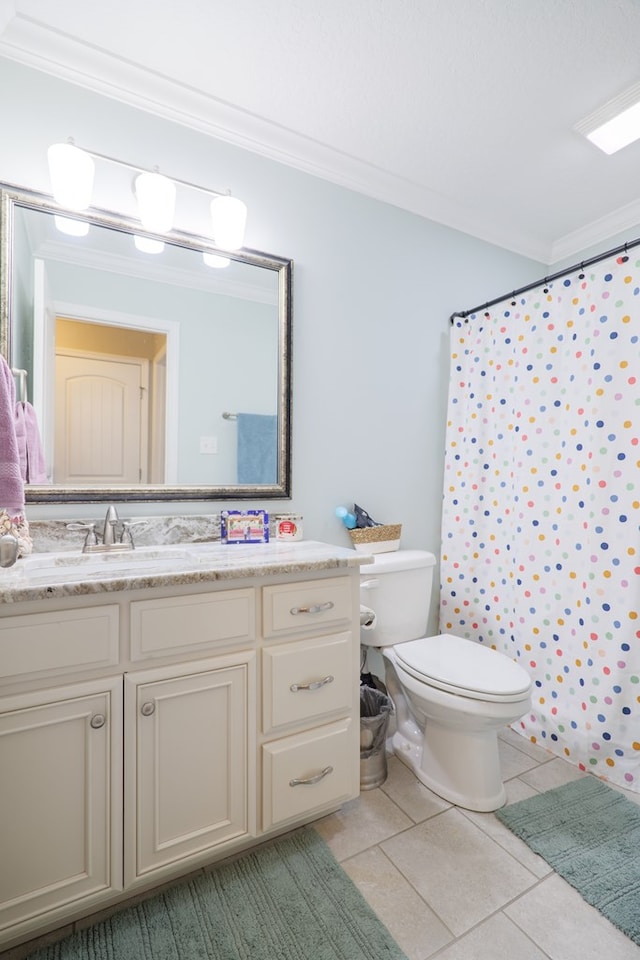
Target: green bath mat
<point>590,835</point>
<point>289,900</point>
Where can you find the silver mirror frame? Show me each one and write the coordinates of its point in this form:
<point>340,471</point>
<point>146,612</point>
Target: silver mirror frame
<point>12,197</point>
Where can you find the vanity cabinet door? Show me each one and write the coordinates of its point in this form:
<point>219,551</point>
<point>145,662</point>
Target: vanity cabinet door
<point>189,761</point>
<point>60,802</point>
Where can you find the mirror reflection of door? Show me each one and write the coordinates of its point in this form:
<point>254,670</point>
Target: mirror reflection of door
<point>110,404</point>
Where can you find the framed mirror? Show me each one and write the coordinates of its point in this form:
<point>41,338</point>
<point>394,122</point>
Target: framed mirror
<point>149,376</point>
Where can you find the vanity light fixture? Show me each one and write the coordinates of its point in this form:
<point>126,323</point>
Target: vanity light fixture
<point>73,228</point>
<point>147,244</point>
<point>71,170</point>
<point>213,260</point>
<point>616,124</point>
<point>229,216</point>
<point>156,196</point>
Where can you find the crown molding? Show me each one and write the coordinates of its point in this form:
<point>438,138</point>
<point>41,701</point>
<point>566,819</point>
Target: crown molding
<point>597,232</point>
<point>35,45</point>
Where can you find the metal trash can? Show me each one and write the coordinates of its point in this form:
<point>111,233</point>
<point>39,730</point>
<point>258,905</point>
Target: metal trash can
<point>375,708</point>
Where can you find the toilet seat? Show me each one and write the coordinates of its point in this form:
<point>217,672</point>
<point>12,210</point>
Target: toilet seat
<point>463,667</point>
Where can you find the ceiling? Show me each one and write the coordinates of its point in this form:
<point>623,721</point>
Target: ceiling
<point>461,111</point>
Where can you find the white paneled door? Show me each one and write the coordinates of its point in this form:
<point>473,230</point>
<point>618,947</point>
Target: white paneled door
<point>101,420</point>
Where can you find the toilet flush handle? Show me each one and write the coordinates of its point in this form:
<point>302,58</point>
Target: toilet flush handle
<point>369,584</point>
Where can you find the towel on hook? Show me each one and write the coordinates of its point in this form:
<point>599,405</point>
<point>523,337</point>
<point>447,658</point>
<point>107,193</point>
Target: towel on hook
<point>11,483</point>
<point>30,452</point>
<point>257,448</point>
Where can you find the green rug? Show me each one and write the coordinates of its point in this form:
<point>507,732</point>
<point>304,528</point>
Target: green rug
<point>289,900</point>
<point>590,835</point>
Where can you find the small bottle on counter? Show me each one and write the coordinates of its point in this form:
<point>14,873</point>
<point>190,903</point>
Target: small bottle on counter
<point>288,526</point>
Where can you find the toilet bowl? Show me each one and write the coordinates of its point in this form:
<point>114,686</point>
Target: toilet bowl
<point>451,695</point>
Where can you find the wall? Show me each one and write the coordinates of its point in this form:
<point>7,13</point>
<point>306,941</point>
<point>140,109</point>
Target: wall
<point>373,290</point>
<point>208,321</point>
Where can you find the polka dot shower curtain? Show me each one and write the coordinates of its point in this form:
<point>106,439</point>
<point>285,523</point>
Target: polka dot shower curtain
<point>540,539</point>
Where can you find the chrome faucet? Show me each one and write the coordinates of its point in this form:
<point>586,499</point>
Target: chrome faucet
<point>109,541</point>
<point>109,532</point>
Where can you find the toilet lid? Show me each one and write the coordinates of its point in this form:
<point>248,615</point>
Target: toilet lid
<point>463,667</point>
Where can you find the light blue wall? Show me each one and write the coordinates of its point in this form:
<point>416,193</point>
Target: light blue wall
<point>208,378</point>
<point>373,290</point>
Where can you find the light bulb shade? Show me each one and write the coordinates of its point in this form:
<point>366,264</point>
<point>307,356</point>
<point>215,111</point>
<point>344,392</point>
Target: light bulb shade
<point>72,228</point>
<point>213,260</point>
<point>71,172</point>
<point>148,244</point>
<point>229,217</point>
<point>156,196</point>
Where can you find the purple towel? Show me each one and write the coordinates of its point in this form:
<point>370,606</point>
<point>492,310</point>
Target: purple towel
<point>11,484</point>
<point>30,452</point>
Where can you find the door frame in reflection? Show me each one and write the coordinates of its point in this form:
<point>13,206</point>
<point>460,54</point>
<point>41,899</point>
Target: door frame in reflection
<point>45,320</point>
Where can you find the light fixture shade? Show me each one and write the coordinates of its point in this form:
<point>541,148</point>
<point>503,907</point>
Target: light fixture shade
<point>156,196</point>
<point>213,260</point>
<point>72,228</point>
<point>71,172</point>
<point>229,217</point>
<point>148,244</point>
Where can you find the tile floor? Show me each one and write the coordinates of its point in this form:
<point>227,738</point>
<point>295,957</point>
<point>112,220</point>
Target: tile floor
<point>455,885</point>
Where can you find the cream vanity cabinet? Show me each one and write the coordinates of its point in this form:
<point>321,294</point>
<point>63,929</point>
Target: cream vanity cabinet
<point>190,728</point>
<point>60,764</point>
<point>163,730</point>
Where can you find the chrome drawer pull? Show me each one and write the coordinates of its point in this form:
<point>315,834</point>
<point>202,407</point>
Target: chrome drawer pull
<point>314,685</point>
<point>316,608</point>
<point>318,777</point>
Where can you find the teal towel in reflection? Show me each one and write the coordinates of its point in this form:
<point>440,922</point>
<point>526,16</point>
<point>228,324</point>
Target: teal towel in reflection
<point>257,448</point>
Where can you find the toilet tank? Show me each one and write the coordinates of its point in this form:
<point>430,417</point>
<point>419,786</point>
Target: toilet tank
<point>397,587</point>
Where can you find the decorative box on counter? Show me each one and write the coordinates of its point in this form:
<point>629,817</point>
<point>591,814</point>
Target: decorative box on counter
<point>249,526</point>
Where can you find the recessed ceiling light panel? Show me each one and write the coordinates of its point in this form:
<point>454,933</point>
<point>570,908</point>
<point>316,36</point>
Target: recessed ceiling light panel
<point>616,124</point>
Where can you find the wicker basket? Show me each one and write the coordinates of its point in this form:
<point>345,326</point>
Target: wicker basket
<point>382,539</point>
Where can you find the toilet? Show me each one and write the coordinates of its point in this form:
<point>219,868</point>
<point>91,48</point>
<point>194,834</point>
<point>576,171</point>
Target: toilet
<point>451,695</point>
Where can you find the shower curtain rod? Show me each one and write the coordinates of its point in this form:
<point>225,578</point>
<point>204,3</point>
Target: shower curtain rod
<point>623,248</point>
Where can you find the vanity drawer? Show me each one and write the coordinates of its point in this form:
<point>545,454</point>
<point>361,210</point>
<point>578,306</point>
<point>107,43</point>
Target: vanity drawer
<point>59,641</point>
<point>308,771</point>
<point>306,679</point>
<point>297,607</point>
<point>188,623</point>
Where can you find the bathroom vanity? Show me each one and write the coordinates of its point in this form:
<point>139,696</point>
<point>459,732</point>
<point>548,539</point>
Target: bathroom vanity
<point>163,709</point>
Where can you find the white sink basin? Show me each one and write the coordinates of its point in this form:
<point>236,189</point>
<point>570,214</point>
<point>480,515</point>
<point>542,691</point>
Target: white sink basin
<point>71,567</point>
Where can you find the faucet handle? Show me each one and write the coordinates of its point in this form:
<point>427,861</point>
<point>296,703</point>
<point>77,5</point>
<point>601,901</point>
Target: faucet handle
<point>126,530</point>
<point>91,537</point>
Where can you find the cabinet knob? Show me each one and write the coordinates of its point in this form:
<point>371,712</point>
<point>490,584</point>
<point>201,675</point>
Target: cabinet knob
<point>316,608</point>
<point>309,780</point>
<point>314,685</point>
<point>148,708</point>
<point>98,720</point>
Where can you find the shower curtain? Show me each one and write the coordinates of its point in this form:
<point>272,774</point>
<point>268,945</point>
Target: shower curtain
<point>540,533</point>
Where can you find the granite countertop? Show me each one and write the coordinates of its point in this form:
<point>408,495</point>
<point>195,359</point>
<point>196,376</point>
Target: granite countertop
<point>43,576</point>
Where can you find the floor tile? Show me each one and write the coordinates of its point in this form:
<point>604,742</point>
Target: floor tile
<point>533,750</point>
<point>362,823</point>
<point>417,801</point>
<point>495,939</point>
<point>556,917</point>
<point>490,824</point>
<point>415,928</point>
<point>553,773</point>
<point>457,869</point>
<point>513,762</point>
